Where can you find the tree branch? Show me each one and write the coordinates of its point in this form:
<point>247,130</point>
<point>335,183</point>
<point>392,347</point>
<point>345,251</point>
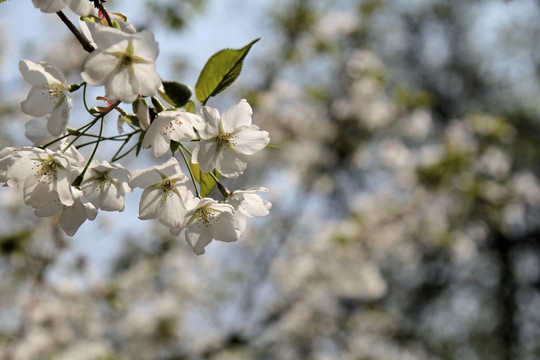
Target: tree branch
<point>80,37</point>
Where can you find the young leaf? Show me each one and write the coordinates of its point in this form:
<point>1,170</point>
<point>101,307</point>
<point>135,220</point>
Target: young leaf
<point>205,179</point>
<point>220,71</point>
<point>190,107</point>
<point>176,94</point>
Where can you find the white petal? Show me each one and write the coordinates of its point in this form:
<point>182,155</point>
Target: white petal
<point>230,164</point>
<point>237,116</point>
<point>151,205</point>
<point>97,67</point>
<point>53,208</point>
<point>158,137</point>
<point>145,80</point>
<point>249,140</point>
<point>118,86</point>
<point>198,238</point>
<point>206,155</point>
<point>81,7</point>
<point>50,6</point>
<point>211,119</point>
<point>39,73</point>
<point>58,119</point>
<point>107,37</point>
<point>145,46</point>
<point>111,199</point>
<point>249,204</point>
<point>174,212</point>
<point>39,102</point>
<point>36,131</point>
<point>225,227</point>
<point>74,216</point>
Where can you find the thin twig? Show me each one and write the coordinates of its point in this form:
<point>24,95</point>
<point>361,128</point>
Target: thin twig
<point>82,39</point>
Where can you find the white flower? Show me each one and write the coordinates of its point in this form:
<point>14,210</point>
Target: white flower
<point>248,203</point>
<point>80,7</point>
<point>165,196</point>
<point>6,160</point>
<point>124,64</point>
<point>143,113</point>
<point>105,185</point>
<point>96,20</point>
<point>212,220</point>
<point>72,216</point>
<point>227,140</point>
<point>49,95</point>
<point>170,125</point>
<point>44,176</point>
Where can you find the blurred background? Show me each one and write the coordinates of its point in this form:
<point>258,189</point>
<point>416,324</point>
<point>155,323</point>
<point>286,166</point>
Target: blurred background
<point>406,192</point>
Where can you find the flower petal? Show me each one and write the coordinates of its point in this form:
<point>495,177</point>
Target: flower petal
<point>230,164</point>
<point>249,140</point>
<point>206,155</point>
<point>236,116</point>
<point>150,206</point>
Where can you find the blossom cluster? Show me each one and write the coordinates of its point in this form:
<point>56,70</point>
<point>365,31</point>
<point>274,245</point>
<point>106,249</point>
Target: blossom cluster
<point>56,178</point>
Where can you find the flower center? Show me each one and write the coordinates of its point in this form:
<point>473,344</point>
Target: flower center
<point>54,90</point>
<point>102,179</point>
<point>46,171</point>
<point>206,216</point>
<point>224,140</point>
<point>166,188</point>
<point>172,126</point>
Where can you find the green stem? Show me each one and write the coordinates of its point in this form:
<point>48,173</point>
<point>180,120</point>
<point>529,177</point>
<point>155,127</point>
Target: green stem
<point>81,132</point>
<point>66,135</point>
<point>222,189</point>
<point>78,179</point>
<point>120,149</point>
<point>126,153</point>
<point>84,100</point>
<point>189,169</point>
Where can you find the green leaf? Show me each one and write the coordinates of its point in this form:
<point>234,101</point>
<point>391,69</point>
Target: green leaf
<point>205,179</point>
<point>131,119</point>
<point>220,71</point>
<point>176,93</point>
<point>175,146</point>
<point>190,107</point>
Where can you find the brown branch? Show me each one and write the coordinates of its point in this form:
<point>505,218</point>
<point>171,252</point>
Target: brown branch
<point>80,37</point>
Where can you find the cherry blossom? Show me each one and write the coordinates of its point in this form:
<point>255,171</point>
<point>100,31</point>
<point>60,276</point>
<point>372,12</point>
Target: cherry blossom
<point>170,125</point>
<point>73,216</point>
<point>105,185</point>
<point>248,203</point>
<point>124,63</point>
<point>80,7</point>
<point>166,195</point>
<point>49,95</point>
<point>227,140</point>
<point>212,220</point>
<point>44,176</point>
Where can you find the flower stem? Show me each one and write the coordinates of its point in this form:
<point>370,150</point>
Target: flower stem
<point>78,179</point>
<point>84,100</point>
<point>102,9</point>
<point>80,37</point>
<point>124,154</point>
<point>189,169</point>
